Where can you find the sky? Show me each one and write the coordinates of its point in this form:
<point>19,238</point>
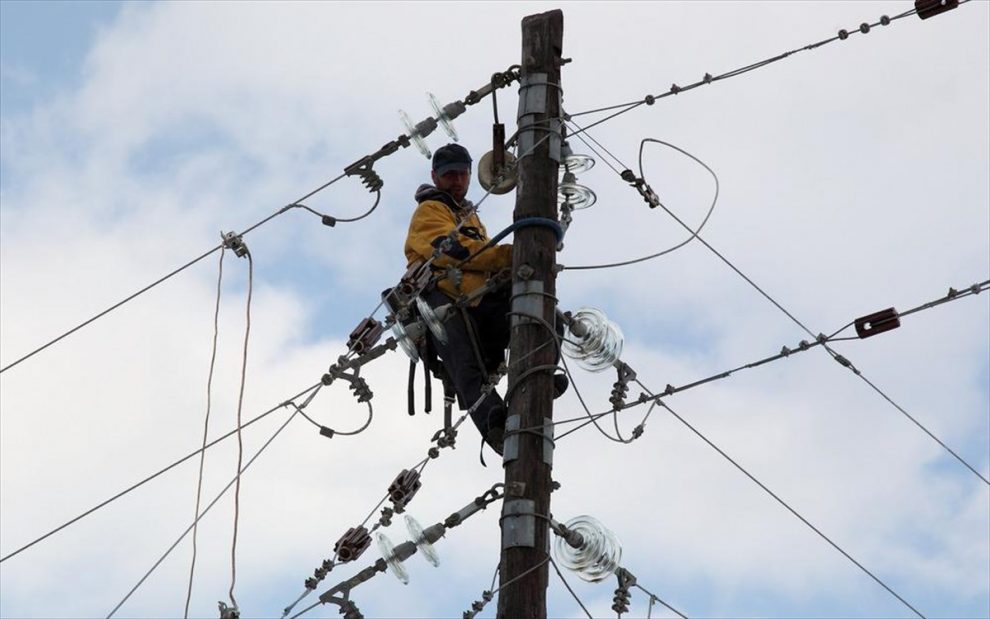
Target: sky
<point>852,178</point>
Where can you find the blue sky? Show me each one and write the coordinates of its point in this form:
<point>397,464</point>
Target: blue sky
<point>853,178</point>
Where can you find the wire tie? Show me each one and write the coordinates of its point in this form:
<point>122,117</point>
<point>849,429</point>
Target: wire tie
<point>975,289</point>
<point>884,20</point>
<point>843,34</point>
<point>804,345</point>
<point>864,27</point>
<point>650,99</point>
<point>822,338</point>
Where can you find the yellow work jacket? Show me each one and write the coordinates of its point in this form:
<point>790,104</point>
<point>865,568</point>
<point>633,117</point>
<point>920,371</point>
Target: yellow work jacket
<point>435,217</point>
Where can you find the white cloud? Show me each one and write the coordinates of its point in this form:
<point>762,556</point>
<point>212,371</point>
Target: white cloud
<point>853,178</point>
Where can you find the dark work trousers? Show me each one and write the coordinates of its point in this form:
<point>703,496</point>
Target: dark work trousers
<point>491,327</point>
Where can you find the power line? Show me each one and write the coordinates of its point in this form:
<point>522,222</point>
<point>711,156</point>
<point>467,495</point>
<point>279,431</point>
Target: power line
<point>843,34</point>
<point>200,516</point>
<point>363,168</point>
<point>786,352</point>
<point>569,589</point>
<point>653,597</point>
<point>836,356</point>
<point>789,508</point>
<point>154,475</point>
<point>165,277</point>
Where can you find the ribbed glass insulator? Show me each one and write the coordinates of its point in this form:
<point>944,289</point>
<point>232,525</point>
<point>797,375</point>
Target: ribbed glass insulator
<point>442,118</point>
<point>387,550</point>
<point>404,341</point>
<point>419,538</point>
<point>576,196</point>
<point>576,164</point>
<point>597,558</point>
<point>432,320</point>
<point>593,340</point>
<point>414,135</point>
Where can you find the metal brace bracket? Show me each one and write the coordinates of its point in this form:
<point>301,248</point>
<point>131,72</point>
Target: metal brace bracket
<point>527,300</point>
<point>519,523</point>
<point>510,449</point>
<point>532,103</point>
<point>548,444</point>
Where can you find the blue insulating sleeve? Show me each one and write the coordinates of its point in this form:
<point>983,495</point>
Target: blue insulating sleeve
<point>526,223</point>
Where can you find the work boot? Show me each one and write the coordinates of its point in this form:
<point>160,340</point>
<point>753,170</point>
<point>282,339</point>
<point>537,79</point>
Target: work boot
<point>560,384</point>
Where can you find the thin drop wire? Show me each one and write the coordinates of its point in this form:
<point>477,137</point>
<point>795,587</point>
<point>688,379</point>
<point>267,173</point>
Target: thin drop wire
<point>694,233</point>
<point>240,442</point>
<point>205,511</point>
<point>152,476</point>
<point>569,589</point>
<point>345,220</point>
<point>654,597</point>
<point>206,431</point>
<point>790,509</point>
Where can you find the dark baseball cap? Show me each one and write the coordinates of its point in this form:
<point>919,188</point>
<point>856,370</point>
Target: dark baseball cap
<point>451,157</point>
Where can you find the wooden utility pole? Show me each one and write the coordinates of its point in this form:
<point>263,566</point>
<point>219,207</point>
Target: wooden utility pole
<point>529,454</point>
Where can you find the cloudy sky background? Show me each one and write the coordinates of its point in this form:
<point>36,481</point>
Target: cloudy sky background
<point>853,178</point>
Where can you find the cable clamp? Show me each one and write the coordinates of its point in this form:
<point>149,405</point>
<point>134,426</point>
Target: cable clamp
<point>235,243</point>
<point>363,168</point>
<point>444,437</point>
<point>644,189</point>
<point>621,386</point>
<point>228,612</point>
<point>365,335</point>
<point>352,544</point>
<point>386,518</point>
<point>620,603</point>
<point>403,488</point>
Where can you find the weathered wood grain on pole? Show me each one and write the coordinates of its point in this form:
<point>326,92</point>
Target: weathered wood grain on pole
<point>528,455</point>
